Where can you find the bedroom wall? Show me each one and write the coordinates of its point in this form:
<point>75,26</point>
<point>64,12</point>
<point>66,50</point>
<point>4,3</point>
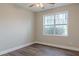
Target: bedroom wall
<point>16,26</point>
<point>72,40</point>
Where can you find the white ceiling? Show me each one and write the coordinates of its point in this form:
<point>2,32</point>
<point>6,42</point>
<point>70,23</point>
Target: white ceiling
<point>46,6</point>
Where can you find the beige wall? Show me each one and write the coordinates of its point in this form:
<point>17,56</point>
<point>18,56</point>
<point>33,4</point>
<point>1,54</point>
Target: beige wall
<point>72,40</point>
<point>16,26</point>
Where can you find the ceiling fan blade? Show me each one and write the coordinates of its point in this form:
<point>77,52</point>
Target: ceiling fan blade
<point>51,3</point>
<point>31,5</point>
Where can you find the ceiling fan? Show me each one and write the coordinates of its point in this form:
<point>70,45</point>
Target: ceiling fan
<point>40,5</point>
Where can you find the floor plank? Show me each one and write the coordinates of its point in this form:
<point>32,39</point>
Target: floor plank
<point>42,50</point>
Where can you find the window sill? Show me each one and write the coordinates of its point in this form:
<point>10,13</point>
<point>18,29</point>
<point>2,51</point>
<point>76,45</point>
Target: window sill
<point>55,35</point>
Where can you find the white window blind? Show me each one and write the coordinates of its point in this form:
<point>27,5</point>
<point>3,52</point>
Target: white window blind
<point>56,24</point>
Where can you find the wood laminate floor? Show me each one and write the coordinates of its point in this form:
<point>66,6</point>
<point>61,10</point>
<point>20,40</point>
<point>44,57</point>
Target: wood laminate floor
<point>42,50</point>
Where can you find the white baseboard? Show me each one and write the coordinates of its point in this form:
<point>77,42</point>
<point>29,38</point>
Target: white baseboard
<point>65,47</point>
<point>21,46</point>
<point>15,48</point>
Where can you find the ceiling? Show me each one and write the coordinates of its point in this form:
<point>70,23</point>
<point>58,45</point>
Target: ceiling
<point>37,9</point>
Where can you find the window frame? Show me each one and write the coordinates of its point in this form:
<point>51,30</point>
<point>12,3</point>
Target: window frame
<point>46,34</point>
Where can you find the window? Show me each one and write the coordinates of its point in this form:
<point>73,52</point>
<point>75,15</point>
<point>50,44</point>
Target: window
<point>55,24</point>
